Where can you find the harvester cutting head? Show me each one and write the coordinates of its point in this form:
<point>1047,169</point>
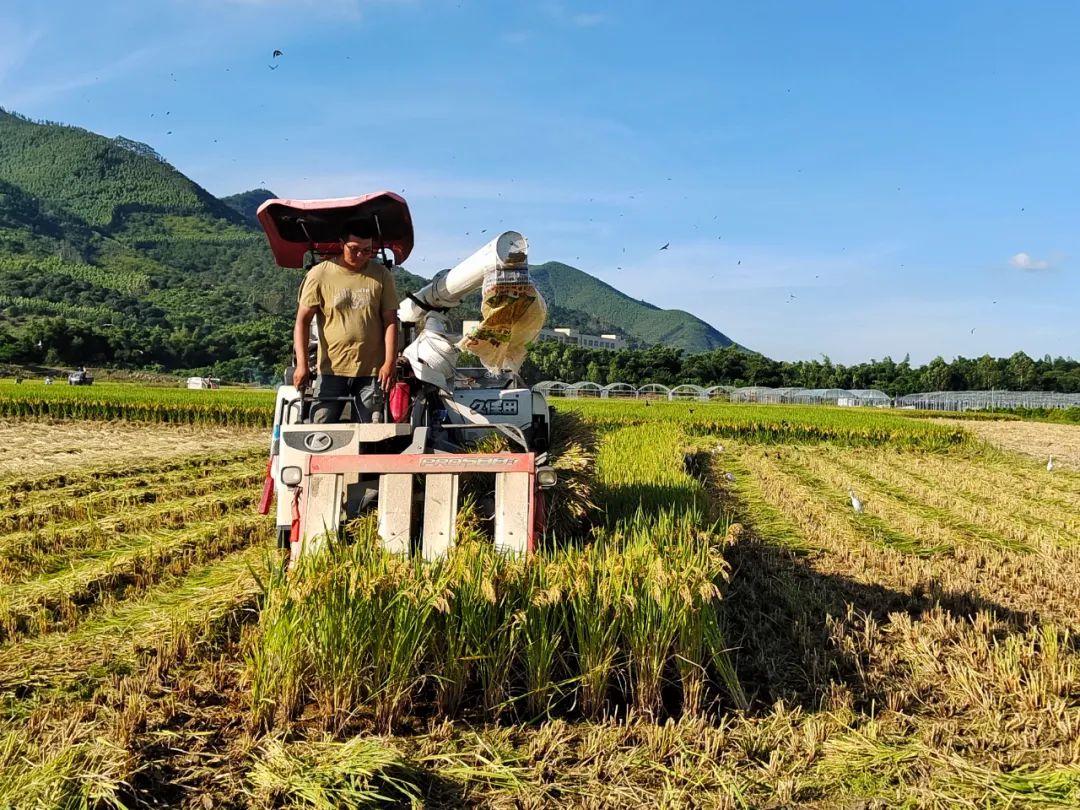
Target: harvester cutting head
<point>408,462</point>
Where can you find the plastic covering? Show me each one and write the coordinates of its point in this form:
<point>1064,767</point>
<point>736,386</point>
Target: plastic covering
<point>513,314</point>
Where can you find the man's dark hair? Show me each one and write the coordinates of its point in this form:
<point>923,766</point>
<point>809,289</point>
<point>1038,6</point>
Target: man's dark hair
<point>363,228</point>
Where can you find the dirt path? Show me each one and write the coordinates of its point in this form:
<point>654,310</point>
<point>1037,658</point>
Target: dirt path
<point>1037,439</point>
<point>28,447</point>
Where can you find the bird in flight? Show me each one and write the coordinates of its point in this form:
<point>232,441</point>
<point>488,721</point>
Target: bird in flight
<point>277,53</point>
<point>973,330</point>
<point>666,245</point>
<point>272,67</point>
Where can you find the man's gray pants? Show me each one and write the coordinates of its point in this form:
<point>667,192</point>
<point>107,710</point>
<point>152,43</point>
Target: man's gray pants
<point>334,392</point>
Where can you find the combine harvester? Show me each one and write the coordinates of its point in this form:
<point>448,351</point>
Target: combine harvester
<point>411,459</point>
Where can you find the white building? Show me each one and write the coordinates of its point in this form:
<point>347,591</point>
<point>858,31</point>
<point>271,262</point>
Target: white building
<point>564,334</point>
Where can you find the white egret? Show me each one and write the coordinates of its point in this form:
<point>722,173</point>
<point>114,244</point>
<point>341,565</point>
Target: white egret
<point>856,504</point>
<point>1050,464</point>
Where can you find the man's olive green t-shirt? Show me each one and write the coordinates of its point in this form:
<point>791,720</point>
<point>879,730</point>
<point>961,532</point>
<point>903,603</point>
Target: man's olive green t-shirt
<point>348,309</point>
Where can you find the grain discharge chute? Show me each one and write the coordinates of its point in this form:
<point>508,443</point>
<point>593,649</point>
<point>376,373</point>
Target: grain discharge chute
<point>409,461</point>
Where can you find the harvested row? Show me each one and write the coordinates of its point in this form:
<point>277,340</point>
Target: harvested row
<point>1024,588</point>
<point>41,551</point>
<point>59,508</point>
<point>175,612</point>
<point>127,568</point>
<point>1014,521</point>
<point>80,482</point>
<point>930,523</point>
<point>821,513</point>
<point>1030,488</point>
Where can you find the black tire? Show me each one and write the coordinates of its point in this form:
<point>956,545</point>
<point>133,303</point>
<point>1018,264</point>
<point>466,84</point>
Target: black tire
<point>284,534</point>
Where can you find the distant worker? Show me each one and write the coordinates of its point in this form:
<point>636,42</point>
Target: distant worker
<point>354,303</point>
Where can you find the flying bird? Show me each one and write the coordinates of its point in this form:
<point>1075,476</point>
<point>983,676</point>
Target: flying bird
<point>856,504</point>
<point>272,67</point>
<point>277,53</point>
<point>1049,464</point>
<point>973,330</point>
<point>666,245</point>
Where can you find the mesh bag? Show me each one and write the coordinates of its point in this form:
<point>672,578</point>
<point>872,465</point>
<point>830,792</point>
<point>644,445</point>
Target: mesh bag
<point>513,314</point>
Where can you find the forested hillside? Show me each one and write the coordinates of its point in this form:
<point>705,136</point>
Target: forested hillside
<point>108,255</point>
<point>246,203</point>
<point>649,325</point>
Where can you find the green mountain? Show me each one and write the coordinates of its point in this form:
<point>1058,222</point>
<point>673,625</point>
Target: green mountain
<point>108,254</point>
<point>246,203</point>
<point>576,290</point>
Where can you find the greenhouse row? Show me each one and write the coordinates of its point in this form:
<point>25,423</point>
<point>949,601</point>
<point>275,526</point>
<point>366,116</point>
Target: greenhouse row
<point>859,397</point>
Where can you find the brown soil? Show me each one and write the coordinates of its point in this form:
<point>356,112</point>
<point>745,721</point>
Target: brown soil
<point>30,447</point>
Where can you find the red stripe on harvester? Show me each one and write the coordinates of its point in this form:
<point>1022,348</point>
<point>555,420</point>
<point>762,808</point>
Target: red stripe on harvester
<point>268,490</point>
<point>417,464</point>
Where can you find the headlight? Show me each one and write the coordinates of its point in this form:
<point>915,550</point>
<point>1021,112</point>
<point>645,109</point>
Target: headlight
<point>291,476</point>
<point>546,477</point>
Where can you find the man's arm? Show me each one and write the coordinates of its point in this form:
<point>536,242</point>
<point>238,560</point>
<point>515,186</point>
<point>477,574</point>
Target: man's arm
<point>301,336</point>
<point>389,366</point>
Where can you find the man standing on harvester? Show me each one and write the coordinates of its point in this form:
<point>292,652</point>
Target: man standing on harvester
<point>354,301</point>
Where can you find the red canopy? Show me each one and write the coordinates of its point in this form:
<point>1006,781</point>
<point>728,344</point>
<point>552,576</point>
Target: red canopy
<point>294,226</point>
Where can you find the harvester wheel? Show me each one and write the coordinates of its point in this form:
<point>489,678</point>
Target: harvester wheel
<point>283,535</point>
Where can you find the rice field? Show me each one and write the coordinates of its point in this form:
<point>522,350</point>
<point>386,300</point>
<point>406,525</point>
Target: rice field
<point>716,628</point>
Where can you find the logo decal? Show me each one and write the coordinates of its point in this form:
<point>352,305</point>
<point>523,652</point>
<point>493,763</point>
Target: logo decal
<point>452,461</point>
<point>317,442</point>
<point>495,407</point>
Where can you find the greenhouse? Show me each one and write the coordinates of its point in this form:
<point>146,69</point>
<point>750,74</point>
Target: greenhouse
<point>619,390</point>
<point>722,392</point>
<point>758,394</point>
<point>987,400</point>
<point>551,388</point>
<point>867,398</point>
<point>688,391</point>
<point>818,396</point>
<point>585,389</point>
<point>654,391</point>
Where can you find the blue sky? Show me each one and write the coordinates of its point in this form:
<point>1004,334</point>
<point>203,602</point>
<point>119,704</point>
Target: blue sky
<point>844,178</point>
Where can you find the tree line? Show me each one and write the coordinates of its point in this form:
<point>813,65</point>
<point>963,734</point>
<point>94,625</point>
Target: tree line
<point>549,360</point>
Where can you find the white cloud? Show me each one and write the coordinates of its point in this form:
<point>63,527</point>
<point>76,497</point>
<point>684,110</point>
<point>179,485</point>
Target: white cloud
<point>1022,261</point>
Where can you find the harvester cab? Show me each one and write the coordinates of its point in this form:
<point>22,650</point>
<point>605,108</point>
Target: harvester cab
<point>408,461</point>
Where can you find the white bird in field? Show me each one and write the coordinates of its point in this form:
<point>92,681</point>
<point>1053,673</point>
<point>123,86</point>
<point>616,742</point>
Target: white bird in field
<point>730,477</point>
<point>719,448</point>
<point>856,504</point>
<point>1050,464</point>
